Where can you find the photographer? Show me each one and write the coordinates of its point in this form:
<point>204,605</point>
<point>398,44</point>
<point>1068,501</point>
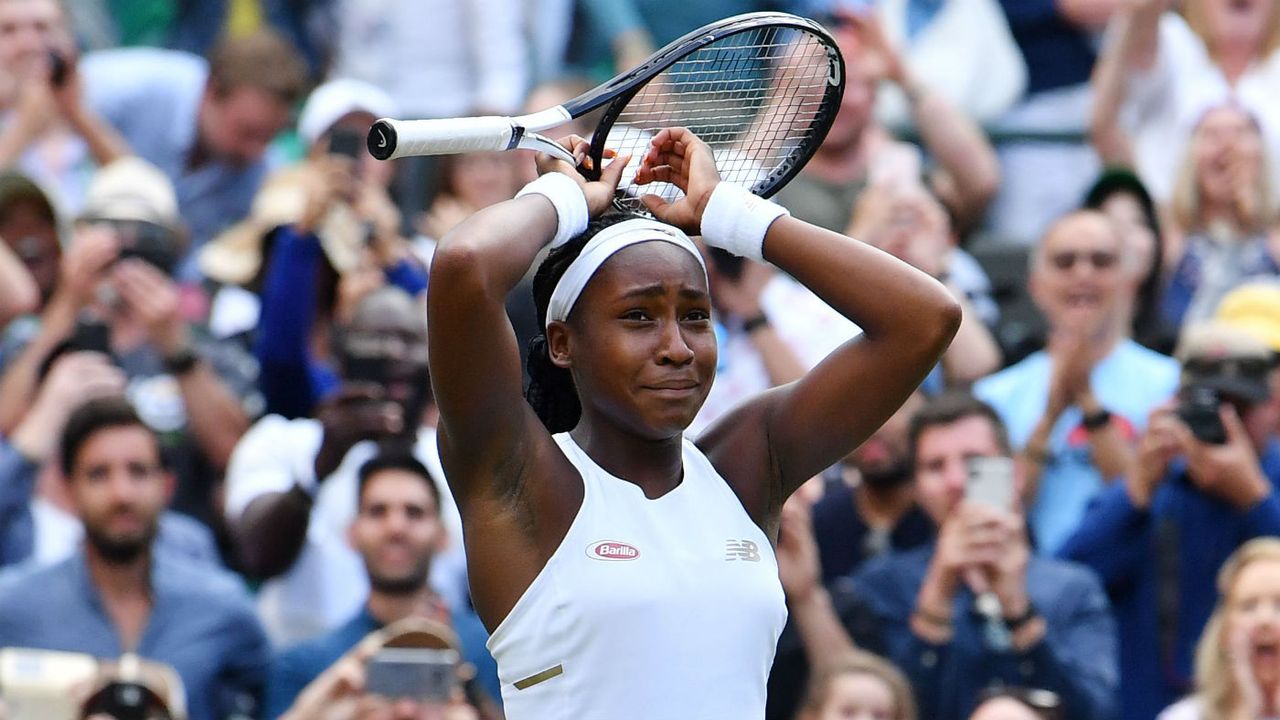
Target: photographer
<point>292,484</point>
<point>115,295</point>
<point>1201,485</point>
<point>46,128</point>
<point>321,235</point>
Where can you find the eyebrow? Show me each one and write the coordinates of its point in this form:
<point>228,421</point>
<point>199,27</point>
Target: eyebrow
<point>658,289</point>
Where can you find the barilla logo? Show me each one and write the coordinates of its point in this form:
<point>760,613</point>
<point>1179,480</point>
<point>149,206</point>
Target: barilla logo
<point>610,550</point>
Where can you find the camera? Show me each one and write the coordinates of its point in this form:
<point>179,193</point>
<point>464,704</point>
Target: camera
<point>1198,408</point>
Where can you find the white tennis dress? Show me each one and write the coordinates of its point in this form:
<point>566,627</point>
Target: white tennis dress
<point>664,609</point>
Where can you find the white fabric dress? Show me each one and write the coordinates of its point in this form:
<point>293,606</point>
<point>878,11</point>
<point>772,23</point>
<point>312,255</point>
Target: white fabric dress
<point>650,609</point>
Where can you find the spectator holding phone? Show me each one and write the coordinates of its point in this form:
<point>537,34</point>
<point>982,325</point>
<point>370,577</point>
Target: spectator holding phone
<point>977,607</point>
<point>397,531</point>
<point>116,278</point>
<point>292,484</point>
<point>370,682</point>
<point>46,128</point>
<point>1203,482</point>
<point>319,236</point>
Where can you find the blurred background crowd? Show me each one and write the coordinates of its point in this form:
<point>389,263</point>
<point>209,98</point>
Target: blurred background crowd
<point>218,473</point>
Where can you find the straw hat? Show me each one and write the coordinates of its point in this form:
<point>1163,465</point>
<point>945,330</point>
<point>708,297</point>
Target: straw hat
<point>234,257</point>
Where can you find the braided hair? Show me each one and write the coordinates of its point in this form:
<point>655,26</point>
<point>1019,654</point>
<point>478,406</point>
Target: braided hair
<point>551,392</point>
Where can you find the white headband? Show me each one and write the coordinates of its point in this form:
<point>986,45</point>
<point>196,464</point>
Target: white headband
<point>601,247</point>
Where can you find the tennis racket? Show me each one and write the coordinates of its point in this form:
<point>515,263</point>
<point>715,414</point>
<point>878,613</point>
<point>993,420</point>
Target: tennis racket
<point>760,89</point>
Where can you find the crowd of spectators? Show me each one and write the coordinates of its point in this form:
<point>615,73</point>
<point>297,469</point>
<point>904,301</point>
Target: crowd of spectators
<point>219,480</point>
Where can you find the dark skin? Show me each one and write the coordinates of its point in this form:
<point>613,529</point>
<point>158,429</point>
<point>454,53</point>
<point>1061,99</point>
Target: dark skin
<point>640,346</point>
<point>271,532</point>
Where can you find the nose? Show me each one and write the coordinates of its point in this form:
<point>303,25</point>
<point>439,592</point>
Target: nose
<point>954,477</point>
<point>673,348</point>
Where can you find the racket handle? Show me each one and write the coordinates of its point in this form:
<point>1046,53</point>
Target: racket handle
<point>390,139</point>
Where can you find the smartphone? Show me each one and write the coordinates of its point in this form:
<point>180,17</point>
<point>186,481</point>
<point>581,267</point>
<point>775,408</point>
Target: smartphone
<point>1198,408</point>
<point>990,482</point>
<point>415,673</point>
<point>58,68</point>
<point>91,335</point>
<point>345,142</point>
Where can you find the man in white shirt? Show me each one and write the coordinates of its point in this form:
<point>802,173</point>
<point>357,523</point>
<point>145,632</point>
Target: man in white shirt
<point>291,483</point>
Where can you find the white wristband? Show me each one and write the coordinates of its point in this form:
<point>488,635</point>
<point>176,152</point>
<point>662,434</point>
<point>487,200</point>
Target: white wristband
<point>569,201</point>
<point>736,220</point>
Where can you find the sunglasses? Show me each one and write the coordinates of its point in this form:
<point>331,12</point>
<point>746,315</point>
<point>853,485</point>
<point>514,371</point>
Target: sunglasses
<point>1099,259</point>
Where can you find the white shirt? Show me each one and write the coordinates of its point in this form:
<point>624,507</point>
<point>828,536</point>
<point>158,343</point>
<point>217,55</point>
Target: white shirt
<point>474,58</point>
<point>328,583</point>
<point>1164,103</point>
<point>654,609</point>
<point>808,326</point>
<point>966,53</point>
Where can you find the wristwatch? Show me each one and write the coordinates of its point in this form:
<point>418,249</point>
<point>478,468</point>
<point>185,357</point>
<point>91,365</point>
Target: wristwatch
<point>1016,623</point>
<point>1097,420</point>
<point>181,362</point>
<point>752,324</point>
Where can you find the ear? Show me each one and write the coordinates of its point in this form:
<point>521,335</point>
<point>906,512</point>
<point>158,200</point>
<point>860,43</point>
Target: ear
<point>351,534</point>
<point>558,345</point>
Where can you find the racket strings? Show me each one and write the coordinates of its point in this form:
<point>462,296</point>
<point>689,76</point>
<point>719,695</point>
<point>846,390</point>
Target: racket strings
<point>755,97</point>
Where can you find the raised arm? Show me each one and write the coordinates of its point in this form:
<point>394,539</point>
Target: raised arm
<point>768,447</point>
<point>963,154</point>
<point>1132,45</point>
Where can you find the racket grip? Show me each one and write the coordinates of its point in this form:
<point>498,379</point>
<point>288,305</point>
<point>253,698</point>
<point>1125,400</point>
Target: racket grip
<point>390,139</point>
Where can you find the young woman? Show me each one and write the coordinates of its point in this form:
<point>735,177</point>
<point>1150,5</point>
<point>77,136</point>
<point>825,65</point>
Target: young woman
<point>625,572</point>
<point>859,686</point>
<point>1238,658</point>
<point>1225,215</point>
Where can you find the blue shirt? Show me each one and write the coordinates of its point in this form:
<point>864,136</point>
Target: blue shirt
<point>183,537</point>
<point>1076,659</point>
<point>152,97</point>
<point>1178,545</point>
<point>202,623</point>
<point>293,669</point>
<point>1058,54</point>
<point>1129,381</point>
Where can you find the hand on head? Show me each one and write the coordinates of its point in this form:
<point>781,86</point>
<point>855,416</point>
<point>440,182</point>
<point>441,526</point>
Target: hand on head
<point>679,157</point>
<point>600,192</point>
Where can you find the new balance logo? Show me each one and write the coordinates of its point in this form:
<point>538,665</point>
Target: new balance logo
<point>744,550</point>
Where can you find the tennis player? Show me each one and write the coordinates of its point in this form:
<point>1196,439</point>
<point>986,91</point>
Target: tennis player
<point>625,571</point>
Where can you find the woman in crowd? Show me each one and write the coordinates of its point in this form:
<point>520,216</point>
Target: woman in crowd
<point>1224,216</point>
<point>623,571</point>
<point>859,686</point>
<point>1238,658</point>
<point>1120,195</point>
<point>1162,70</point>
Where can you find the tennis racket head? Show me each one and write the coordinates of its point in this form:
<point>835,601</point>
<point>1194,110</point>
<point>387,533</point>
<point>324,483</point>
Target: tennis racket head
<point>760,89</point>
